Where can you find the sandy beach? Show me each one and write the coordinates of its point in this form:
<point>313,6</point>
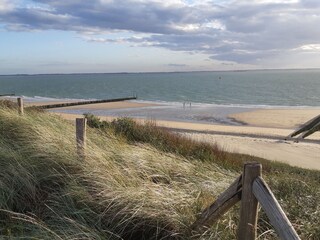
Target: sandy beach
<point>262,136</point>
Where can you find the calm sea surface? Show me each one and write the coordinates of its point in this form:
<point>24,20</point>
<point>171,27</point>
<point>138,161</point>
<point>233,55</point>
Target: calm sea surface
<point>248,88</point>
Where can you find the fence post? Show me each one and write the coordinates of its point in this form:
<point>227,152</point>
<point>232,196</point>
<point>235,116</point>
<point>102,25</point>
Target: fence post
<point>20,105</point>
<point>249,204</point>
<point>81,126</point>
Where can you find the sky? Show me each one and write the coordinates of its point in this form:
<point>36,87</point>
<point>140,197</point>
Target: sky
<point>82,36</point>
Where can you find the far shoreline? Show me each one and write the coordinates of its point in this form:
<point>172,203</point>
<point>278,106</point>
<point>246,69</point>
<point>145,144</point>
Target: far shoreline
<point>155,72</point>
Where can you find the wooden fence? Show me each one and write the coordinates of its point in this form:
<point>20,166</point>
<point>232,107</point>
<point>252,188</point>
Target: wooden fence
<point>251,190</point>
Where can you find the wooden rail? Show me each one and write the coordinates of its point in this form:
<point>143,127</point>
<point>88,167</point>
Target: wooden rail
<point>251,190</point>
<point>223,203</point>
<point>60,105</point>
<point>273,210</point>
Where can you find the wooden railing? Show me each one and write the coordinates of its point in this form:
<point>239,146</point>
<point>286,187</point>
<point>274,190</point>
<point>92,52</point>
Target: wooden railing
<point>251,190</point>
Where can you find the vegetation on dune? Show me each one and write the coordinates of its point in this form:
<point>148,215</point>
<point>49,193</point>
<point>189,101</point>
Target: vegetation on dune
<point>137,182</point>
<point>297,189</point>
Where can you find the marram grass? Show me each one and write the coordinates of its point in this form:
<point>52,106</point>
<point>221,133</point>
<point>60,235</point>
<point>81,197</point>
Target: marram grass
<point>126,188</point>
<point>119,191</point>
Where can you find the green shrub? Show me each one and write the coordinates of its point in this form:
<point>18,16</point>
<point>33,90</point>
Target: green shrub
<point>95,122</point>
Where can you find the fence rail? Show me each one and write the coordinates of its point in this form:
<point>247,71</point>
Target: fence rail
<point>224,202</point>
<point>251,190</point>
<point>273,210</point>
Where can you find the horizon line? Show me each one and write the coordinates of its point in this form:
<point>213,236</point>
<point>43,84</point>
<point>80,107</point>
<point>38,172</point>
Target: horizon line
<point>154,72</point>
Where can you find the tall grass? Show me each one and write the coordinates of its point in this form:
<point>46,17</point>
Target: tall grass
<point>120,191</point>
<point>297,189</point>
<point>129,186</point>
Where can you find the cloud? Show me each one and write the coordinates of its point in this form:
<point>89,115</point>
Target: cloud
<point>6,5</point>
<point>240,31</point>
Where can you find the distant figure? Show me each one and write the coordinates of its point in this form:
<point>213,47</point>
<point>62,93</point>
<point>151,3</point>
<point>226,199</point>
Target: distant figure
<point>190,104</point>
<point>219,77</point>
<point>184,105</point>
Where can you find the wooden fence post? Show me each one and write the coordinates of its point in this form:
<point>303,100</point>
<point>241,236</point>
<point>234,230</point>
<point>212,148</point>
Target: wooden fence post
<point>20,105</point>
<point>81,126</point>
<point>247,229</point>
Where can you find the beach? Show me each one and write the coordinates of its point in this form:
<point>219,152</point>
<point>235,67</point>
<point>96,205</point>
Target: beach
<point>261,134</point>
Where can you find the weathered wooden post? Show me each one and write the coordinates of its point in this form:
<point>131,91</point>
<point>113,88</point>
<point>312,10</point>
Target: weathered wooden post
<point>20,105</point>
<point>81,126</point>
<point>247,229</point>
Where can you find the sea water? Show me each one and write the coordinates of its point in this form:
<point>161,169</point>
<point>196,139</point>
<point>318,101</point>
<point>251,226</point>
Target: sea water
<point>212,95</point>
<point>276,87</point>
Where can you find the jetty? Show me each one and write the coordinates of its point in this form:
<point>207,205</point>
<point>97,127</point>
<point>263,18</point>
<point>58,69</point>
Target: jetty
<point>70,104</point>
<point>7,95</point>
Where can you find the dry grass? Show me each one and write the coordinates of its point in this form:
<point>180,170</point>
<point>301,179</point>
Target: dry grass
<point>126,188</point>
<point>299,187</point>
<point>120,191</point>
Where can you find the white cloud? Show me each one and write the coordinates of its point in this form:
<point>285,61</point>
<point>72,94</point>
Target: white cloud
<point>6,5</point>
<point>310,47</point>
<point>237,31</point>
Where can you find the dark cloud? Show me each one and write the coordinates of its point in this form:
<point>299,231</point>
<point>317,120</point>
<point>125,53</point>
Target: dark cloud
<point>137,16</point>
<point>236,31</point>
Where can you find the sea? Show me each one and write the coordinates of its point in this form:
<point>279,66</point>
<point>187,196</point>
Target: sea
<point>188,96</point>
